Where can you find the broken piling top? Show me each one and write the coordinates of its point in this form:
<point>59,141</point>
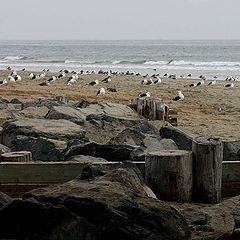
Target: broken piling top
<point>169,174</point>
<point>151,108</point>
<point>207,169</point>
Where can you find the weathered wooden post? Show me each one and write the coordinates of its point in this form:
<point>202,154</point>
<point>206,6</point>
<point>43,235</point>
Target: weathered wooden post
<point>207,169</point>
<point>169,174</point>
<point>62,99</point>
<point>152,108</point>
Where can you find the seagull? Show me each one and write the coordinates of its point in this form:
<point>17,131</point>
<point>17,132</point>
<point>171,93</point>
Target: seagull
<point>189,75</point>
<point>107,79</point>
<point>52,79</point>
<point>18,78</point>
<point>9,68</point>
<point>32,76</point>
<point>200,83</point>
<point>158,80</point>
<point>101,91</point>
<point>46,83</point>
<point>192,85</point>
<point>11,79</point>
<point>61,75</point>
<point>145,94</point>
<point>2,82</point>
<point>229,85</point>
<point>95,82</point>
<point>212,83</point>
<point>71,81</point>
<point>13,73</point>
<point>179,96</point>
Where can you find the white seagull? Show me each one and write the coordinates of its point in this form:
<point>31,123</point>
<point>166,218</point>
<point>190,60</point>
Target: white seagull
<point>101,91</point>
<point>179,96</point>
<point>144,94</point>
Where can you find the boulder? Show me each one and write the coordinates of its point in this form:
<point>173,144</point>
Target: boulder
<point>33,112</point>
<point>3,100</point>
<point>54,129</point>
<point>46,139</point>
<point>183,140</point>
<point>107,151</point>
<point>231,150</point>
<point>66,112</point>
<point>43,149</point>
<point>113,200</point>
<point>152,143</point>
<point>30,219</point>
<point>42,102</point>
<point>4,199</point>
<point>128,136</point>
<point>83,158</point>
<point>4,148</point>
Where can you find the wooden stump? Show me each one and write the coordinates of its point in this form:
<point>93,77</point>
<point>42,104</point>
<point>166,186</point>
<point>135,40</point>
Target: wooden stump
<point>152,109</point>
<point>21,156</point>
<point>207,170</point>
<point>62,99</point>
<point>169,174</point>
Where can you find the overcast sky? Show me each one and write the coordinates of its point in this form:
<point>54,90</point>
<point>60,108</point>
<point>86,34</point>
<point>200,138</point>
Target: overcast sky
<point>122,19</point>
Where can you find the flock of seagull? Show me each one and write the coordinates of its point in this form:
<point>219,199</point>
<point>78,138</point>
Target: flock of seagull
<point>153,79</point>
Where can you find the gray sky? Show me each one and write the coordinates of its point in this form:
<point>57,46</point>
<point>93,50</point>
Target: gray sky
<point>122,19</point>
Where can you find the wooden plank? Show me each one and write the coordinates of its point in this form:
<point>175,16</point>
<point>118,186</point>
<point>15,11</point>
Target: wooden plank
<point>45,172</point>
<point>230,189</point>
<point>231,171</point>
<point>39,173</point>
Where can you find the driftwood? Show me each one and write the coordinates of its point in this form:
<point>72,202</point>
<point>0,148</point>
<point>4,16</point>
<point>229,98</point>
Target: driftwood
<point>169,174</point>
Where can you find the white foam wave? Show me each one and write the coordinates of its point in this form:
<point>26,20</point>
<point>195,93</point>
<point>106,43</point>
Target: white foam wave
<point>13,58</point>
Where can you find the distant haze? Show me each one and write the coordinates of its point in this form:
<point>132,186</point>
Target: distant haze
<point>119,19</point>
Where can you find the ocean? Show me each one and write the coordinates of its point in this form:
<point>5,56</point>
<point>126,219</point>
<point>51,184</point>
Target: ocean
<point>221,58</point>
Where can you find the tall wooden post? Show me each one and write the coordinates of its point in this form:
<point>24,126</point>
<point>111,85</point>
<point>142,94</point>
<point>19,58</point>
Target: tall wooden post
<point>207,169</point>
<point>169,174</point>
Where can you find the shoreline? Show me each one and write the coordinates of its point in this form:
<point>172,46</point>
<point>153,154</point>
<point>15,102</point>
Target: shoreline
<point>199,113</point>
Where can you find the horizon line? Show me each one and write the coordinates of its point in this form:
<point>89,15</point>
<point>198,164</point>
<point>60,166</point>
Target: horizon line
<point>119,39</point>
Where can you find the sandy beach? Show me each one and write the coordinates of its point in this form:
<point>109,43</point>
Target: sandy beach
<point>213,111</point>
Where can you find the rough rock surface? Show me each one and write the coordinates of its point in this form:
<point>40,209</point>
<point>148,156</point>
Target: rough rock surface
<point>106,151</point>
<point>114,201</point>
<point>4,199</point>
<point>231,151</point>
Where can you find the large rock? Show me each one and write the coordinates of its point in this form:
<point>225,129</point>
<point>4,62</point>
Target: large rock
<point>231,150</point>
<point>66,112</point>
<point>42,102</point>
<point>43,149</point>
<point>46,139</point>
<point>4,199</point>
<point>55,129</point>
<point>152,143</point>
<point>107,151</point>
<point>114,201</point>
<point>29,219</point>
<point>33,112</point>
<point>183,140</point>
<point>4,148</point>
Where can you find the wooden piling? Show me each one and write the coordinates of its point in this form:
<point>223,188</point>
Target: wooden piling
<point>152,108</point>
<point>169,174</point>
<point>21,156</point>
<point>207,169</point>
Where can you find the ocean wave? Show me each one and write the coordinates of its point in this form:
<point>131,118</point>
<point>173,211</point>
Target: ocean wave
<point>14,58</point>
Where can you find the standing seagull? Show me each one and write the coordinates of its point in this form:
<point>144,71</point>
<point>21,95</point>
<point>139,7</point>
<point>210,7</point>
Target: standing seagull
<point>95,82</point>
<point>212,83</point>
<point>229,85</point>
<point>145,94</point>
<point>101,91</point>
<point>2,82</point>
<point>107,79</point>
<point>179,96</point>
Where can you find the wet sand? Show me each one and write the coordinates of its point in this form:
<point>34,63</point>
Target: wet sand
<point>198,113</point>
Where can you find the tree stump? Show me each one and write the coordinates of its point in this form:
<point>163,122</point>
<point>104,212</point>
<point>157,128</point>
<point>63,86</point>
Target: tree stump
<point>152,109</point>
<point>21,156</point>
<point>169,174</point>
<point>207,169</point>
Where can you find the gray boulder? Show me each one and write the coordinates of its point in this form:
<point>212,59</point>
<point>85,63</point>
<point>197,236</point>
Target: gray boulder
<point>231,150</point>
<point>4,148</point>
<point>66,112</point>
<point>183,140</point>
<point>107,151</point>
<point>4,199</point>
<point>30,219</point>
<point>114,201</point>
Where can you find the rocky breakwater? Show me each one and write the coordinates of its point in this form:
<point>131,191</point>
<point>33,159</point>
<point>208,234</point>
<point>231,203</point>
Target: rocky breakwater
<point>55,131</point>
<point>104,202</point>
